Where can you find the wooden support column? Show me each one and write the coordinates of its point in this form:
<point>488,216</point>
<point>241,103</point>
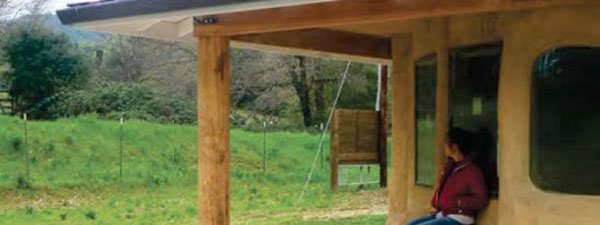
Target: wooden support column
<point>403,129</point>
<point>213,130</point>
<point>442,94</point>
<point>383,125</point>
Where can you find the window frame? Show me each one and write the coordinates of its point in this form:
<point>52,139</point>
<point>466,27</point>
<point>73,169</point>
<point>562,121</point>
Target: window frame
<point>533,124</point>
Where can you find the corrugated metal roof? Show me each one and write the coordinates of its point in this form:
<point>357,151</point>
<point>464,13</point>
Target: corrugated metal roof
<point>112,9</point>
<point>170,20</point>
<point>71,5</point>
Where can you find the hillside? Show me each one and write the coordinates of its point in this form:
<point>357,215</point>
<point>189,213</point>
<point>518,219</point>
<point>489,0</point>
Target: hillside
<point>80,36</point>
<point>74,168</point>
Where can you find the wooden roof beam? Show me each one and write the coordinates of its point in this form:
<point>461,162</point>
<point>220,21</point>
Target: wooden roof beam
<point>320,43</point>
<point>345,12</point>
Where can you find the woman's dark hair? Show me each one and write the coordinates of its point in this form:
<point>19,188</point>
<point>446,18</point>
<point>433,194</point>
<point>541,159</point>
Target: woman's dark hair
<point>462,138</point>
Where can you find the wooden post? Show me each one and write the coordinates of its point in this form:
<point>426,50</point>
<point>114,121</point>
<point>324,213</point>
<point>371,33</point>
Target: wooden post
<point>383,125</point>
<point>442,94</point>
<point>333,153</point>
<point>213,130</point>
<point>403,129</point>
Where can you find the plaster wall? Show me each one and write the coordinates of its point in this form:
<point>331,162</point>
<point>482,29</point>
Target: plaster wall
<point>525,36</point>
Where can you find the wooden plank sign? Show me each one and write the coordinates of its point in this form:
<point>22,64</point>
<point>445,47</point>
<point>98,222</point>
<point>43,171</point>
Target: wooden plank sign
<point>355,139</point>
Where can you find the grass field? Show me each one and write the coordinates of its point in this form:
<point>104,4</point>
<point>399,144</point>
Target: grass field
<point>74,177</point>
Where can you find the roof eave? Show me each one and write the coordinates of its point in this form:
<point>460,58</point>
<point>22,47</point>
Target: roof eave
<point>111,11</point>
<point>132,8</point>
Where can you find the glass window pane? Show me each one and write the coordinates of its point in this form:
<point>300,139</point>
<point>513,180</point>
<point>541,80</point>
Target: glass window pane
<point>426,75</point>
<point>565,121</point>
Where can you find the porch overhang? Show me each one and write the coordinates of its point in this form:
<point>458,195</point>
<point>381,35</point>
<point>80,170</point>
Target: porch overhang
<point>160,19</point>
<point>173,20</point>
<point>316,28</point>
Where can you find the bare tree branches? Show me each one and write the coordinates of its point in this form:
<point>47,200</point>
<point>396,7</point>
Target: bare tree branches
<point>262,83</point>
<point>13,10</point>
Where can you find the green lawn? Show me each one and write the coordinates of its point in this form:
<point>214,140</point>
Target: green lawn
<point>74,175</point>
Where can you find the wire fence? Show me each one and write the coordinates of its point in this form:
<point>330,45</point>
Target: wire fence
<point>94,153</point>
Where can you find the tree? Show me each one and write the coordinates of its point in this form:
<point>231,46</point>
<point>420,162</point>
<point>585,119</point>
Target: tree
<point>12,11</point>
<point>126,59</point>
<point>169,66</point>
<point>316,82</point>
<point>300,82</point>
<point>298,88</point>
<point>41,64</point>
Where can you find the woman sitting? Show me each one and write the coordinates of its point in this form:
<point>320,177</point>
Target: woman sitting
<point>461,191</point>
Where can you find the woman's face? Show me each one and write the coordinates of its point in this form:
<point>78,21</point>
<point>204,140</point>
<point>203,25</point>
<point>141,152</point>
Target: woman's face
<point>449,149</point>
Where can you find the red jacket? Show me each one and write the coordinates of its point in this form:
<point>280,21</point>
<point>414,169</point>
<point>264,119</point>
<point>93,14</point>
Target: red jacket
<point>461,189</point>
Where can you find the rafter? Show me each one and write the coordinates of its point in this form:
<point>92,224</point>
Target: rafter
<point>319,43</point>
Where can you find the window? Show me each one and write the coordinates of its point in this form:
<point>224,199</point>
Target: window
<point>565,121</point>
<point>426,75</point>
<point>473,104</point>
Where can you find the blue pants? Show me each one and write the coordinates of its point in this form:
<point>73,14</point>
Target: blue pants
<point>431,220</point>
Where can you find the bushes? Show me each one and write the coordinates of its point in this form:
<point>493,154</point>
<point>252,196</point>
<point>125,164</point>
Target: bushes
<point>110,100</point>
<point>133,101</point>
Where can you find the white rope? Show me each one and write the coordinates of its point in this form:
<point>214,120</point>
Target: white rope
<point>337,97</point>
<point>378,100</point>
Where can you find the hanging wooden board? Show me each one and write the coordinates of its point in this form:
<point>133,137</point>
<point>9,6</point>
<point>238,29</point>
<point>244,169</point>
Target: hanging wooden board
<point>355,137</point>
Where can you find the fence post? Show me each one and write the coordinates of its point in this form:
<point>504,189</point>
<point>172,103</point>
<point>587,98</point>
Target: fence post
<point>27,153</point>
<point>121,149</point>
<point>321,128</point>
<point>264,147</point>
